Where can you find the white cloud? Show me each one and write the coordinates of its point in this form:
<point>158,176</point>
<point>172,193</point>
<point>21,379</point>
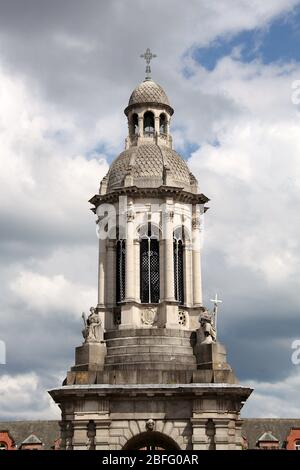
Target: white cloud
<point>45,178</point>
<point>274,400</point>
<point>23,397</point>
<point>62,91</point>
<point>253,173</point>
<point>48,295</point>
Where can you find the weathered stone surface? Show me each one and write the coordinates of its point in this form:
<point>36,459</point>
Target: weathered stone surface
<point>150,368</point>
<point>91,356</point>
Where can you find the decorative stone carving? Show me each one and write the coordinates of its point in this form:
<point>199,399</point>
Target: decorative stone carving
<point>92,332</point>
<point>130,212</point>
<point>169,214</point>
<point>150,425</point>
<point>69,443</point>
<point>148,91</point>
<point>196,223</point>
<point>182,317</point>
<point>148,164</point>
<point>117,317</point>
<point>206,320</point>
<point>148,316</point>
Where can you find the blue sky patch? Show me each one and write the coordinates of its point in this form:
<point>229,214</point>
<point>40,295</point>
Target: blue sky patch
<point>278,42</point>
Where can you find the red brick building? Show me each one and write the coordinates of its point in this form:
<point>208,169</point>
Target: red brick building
<point>6,441</point>
<point>293,439</point>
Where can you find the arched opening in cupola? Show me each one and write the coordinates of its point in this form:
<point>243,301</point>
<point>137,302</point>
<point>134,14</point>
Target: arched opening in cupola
<point>148,123</point>
<point>134,124</point>
<point>163,123</point>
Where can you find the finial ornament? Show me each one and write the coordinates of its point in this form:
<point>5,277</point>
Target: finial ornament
<point>148,56</point>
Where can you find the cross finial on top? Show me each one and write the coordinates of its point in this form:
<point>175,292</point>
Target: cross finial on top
<point>148,56</point>
<point>216,301</point>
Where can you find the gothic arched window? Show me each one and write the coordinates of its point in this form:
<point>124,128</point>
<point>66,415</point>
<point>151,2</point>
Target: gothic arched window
<point>120,274</point>
<point>162,124</point>
<point>149,267</point>
<point>149,122</point>
<point>178,267</point>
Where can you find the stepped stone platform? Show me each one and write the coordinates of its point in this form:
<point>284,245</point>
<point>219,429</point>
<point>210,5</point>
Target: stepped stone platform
<point>156,349</point>
<point>150,356</point>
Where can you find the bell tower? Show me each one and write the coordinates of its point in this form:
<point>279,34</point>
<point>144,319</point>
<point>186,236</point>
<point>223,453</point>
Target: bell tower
<point>151,372</point>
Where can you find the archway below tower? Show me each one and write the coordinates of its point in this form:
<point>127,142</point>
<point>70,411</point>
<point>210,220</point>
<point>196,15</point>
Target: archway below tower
<point>151,440</point>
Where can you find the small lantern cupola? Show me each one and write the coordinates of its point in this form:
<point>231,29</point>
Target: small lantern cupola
<point>148,112</point>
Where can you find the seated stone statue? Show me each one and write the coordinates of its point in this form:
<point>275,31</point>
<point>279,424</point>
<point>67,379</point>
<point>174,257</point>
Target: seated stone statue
<point>207,324</point>
<point>92,331</point>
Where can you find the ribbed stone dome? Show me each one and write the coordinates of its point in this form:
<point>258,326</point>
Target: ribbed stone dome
<point>146,164</point>
<point>149,92</point>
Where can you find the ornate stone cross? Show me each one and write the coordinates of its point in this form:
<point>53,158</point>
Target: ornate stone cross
<point>216,301</point>
<point>148,56</point>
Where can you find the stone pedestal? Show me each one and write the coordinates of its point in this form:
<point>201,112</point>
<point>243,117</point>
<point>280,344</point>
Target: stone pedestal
<point>184,416</point>
<point>90,356</point>
<point>212,364</point>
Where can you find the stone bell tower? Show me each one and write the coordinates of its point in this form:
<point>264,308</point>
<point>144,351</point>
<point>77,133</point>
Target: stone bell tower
<point>150,373</point>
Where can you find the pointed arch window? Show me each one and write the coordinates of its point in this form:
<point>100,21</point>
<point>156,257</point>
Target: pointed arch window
<point>120,274</point>
<point>149,267</point>
<point>178,266</point>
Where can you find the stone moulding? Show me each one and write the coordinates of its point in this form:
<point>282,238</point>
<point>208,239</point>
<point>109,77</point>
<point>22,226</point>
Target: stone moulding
<point>133,191</point>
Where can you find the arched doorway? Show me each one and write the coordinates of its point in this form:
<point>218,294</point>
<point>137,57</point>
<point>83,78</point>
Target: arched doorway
<point>151,440</point>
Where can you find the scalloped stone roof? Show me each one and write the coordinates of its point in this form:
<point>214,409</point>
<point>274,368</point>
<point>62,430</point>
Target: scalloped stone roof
<point>146,164</point>
<point>148,92</point>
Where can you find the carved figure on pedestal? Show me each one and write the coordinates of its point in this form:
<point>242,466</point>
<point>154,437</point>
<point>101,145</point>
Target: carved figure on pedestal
<point>207,324</point>
<point>92,331</point>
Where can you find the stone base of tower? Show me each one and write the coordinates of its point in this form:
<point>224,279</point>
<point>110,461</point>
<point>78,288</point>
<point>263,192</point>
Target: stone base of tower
<point>170,417</point>
<point>151,388</point>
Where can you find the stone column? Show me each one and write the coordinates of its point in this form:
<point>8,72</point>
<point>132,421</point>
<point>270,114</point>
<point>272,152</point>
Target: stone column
<point>196,261</point>
<point>199,438</point>
<point>63,434</point>
<point>187,263</point>
<point>130,317</point>
<point>238,440</point>
<point>170,319</point>
<point>141,125</point>
<point>169,290</point>
<point>102,434</point>
<point>168,126</point>
<point>101,272</point>
<point>156,125</point>
<point>136,247</point>
<point>221,433</point>
<point>161,269</point>
<point>80,436</point>
<point>130,278</point>
<point>234,443</point>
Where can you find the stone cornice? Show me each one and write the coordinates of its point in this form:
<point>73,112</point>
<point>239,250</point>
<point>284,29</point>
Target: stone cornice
<point>194,389</point>
<point>149,105</point>
<point>133,191</point>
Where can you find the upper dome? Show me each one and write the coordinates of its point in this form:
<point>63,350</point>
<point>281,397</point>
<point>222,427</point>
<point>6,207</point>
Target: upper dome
<point>148,166</point>
<point>148,92</point>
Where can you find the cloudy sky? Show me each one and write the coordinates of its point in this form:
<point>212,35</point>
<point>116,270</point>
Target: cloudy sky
<point>66,72</point>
